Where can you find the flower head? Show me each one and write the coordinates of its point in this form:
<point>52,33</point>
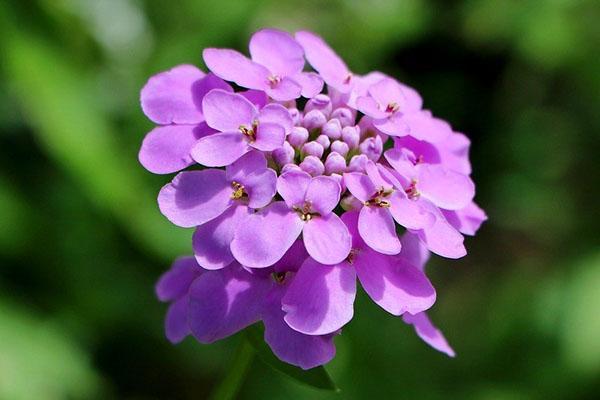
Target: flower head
<point>293,205</point>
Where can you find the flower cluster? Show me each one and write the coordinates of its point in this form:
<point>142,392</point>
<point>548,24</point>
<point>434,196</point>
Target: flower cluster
<point>307,182</point>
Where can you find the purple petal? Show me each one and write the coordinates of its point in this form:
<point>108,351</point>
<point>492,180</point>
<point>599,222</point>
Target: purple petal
<point>350,219</point>
<point>387,91</point>
<point>220,149</point>
<point>368,106</point>
<point>322,58</point>
<point>423,126</point>
<point>441,238</point>
<point>278,51</point>
<point>393,126</point>
<point>428,332</point>
<point>245,165</point>
<point>276,114</point>
<point>293,258</point>
<point>413,250</point>
<point>284,90</point>
<point>195,197</point>
<point>323,193</point>
<point>467,220</point>
<point>268,137</point>
<point>261,187</point>
<point>176,321</point>
<point>257,97</point>
<point>393,284</point>
<point>414,102</point>
<point>225,301</point>
<point>411,214</point>
<point>236,67</point>
<point>320,299</point>
<point>265,236</point>
<point>446,189</point>
<point>304,351</point>
<point>211,240</point>
<point>327,239</point>
<point>292,186</point>
<point>359,185</point>
<point>166,149</point>
<point>206,84</point>
<point>376,227</point>
<point>168,96</point>
<point>226,111</point>
<point>455,153</point>
<point>311,83</point>
<point>175,283</point>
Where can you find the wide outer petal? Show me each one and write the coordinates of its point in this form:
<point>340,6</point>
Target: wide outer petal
<point>286,89</point>
<point>423,126</point>
<point>245,165</point>
<point>442,239</point>
<point>293,258</point>
<point>175,283</point>
<point>327,239</point>
<point>292,186</point>
<point>411,214</point>
<point>320,299</point>
<point>359,185</point>
<point>376,227</point>
<point>166,149</point>
<point>414,251</point>
<point>269,136</point>
<point>446,189</point>
<point>388,91</point>
<point>311,83</point>
<point>393,284</point>
<point>235,67</point>
<point>220,149</point>
<point>278,51</point>
<point>211,240</point>
<point>265,236</point>
<point>368,106</point>
<point>276,114</point>
<point>225,111</point>
<point>261,187</point>
<point>428,332</point>
<point>322,58</point>
<point>393,125</point>
<point>225,301</point>
<point>304,351</point>
<point>176,321</point>
<point>168,97</point>
<point>195,197</point>
<point>467,220</point>
<point>323,193</point>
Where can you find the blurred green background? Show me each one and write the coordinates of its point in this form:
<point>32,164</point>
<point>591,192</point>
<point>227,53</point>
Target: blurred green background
<point>82,241</point>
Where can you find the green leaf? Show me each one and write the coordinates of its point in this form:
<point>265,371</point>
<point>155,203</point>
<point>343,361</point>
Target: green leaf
<point>317,377</point>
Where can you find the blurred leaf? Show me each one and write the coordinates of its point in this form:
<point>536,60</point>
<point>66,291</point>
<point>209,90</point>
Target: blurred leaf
<point>38,361</point>
<point>60,104</point>
<point>317,377</point>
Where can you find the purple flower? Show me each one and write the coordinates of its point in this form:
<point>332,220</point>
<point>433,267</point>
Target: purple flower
<point>241,128</point>
<point>276,66</point>
<point>307,209</point>
<point>299,200</point>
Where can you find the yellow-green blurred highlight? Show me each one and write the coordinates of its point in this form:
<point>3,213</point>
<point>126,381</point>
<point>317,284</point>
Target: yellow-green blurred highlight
<point>82,241</point>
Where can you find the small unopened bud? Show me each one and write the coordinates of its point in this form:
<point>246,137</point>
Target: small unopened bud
<point>340,147</point>
<point>298,136</point>
<point>344,115</point>
<point>320,102</point>
<point>351,135</point>
<point>284,154</point>
<point>290,167</point>
<point>372,148</point>
<point>312,165</point>
<point>313,119</point>
<point>335,164</point>
<point>333,129</point>
<point>358,163</point>
<point>296,115</point>
<point>313,149</point>
<point>324,141</point>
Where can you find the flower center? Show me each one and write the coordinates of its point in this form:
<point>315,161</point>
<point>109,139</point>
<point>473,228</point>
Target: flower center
<point>305,212</point>
<point>274,80</point>
<point>249,132</point>
<point>279,277</point>
<point>378,199</point>
<point>238,191</point>
<point>412,191</point>
<point>348,78</point>
<point>392,107</point>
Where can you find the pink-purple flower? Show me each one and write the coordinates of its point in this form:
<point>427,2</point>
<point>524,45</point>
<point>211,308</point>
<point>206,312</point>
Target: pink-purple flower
<point>294,205</point>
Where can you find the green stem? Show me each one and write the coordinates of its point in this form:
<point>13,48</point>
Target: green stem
<point>231,383</point>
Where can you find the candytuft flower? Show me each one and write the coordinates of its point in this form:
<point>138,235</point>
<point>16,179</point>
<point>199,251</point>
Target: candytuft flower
<point>294,205</point>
